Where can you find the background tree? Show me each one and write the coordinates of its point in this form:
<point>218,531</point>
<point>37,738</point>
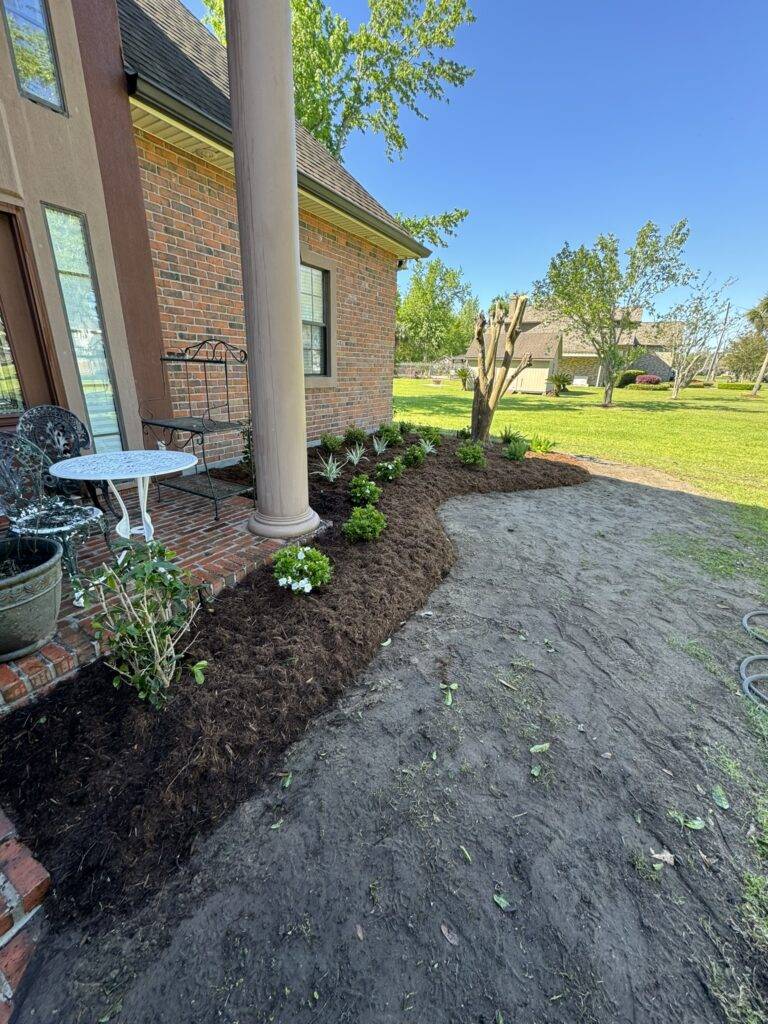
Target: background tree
<point>758,317</point>
<point>434,229</point>
<point>361,79</point>
<point>494,369</point>
<point>745,355</point>
<point>431,316</point>
<point>600,293</point>
<point>693,326</point>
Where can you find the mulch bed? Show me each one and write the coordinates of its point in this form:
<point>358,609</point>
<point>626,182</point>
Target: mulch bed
<point>112,796</point>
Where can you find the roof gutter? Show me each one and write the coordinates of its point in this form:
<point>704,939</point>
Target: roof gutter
<point>187,114</point>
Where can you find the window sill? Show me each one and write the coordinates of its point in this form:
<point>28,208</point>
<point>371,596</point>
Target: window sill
<point>312,380</point>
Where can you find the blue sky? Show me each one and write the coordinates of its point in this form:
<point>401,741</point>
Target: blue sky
<point>592,117</point>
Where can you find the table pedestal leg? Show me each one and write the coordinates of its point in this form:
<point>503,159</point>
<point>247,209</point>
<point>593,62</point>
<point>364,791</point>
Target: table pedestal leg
<point>147,527</point>
<point>123,528</point>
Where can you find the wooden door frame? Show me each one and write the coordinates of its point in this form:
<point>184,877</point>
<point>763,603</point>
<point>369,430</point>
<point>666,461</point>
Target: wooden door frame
<point>34,289</point>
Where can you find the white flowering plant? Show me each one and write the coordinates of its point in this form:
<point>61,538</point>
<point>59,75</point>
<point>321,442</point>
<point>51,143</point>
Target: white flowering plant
<point>301,569</point>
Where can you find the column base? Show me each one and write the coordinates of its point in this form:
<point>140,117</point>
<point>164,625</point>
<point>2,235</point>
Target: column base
<point>283,527</point>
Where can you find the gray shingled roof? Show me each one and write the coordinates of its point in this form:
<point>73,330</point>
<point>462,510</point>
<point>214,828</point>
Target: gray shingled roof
<point>540,342</point>
<point>165,44</point>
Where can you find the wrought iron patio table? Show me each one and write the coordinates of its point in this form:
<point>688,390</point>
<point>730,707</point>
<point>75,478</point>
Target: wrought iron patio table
<point>140,465</point>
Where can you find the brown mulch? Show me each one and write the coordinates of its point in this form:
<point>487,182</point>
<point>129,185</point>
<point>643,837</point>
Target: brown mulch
<point>112,796</point>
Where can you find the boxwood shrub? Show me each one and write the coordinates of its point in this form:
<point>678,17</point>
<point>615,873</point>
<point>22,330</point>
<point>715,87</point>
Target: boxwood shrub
<point>363,491</point>
<point>365,523</point>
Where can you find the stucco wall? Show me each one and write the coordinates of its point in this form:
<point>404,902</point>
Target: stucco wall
<point>192,219</point>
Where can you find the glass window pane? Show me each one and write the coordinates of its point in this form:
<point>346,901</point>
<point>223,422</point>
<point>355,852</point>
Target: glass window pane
<point>32,47</point>
<point>81,305</point>
<point>313,315</point>
<point>10,390</point>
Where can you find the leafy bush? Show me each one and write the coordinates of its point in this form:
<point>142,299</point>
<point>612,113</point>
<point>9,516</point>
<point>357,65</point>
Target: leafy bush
<point>363,491</point>
<point>627,377</point>
<point>471,453</point>
<point>365,523</point>
<point>389,471</point>
<point>735,385</point>
<point>467,378</point>
<point>647,378</point>
<point>390,433</point>
<point>701,384</point>
<point>414,455</point>
<point>301,569</point>
<point>331,442</point>
<point>542,444</point>
<point>663,386</point>
<point>405,427</point>
<point>560,382</point>
<point>464,433</point>
<point>509,433</point>
<point>429,433</point>
<point>147,603</point>
<point>516,449</point>
<point>330,468</point>
<point>355,435</point>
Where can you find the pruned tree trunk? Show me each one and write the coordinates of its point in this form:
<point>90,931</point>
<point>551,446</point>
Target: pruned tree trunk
<point>608,386</point>
<point>759,381</point>
<point>492,381</point>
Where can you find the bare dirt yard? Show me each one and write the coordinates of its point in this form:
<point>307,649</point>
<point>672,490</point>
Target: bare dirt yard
<point>518,814</point>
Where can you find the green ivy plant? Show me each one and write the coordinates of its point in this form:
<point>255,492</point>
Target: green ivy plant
<point>146,606</point>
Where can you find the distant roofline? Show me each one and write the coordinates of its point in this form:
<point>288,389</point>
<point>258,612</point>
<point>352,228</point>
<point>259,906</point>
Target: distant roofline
<point>186,113</point>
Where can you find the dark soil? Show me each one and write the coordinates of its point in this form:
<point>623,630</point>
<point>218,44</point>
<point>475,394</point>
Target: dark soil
<point>112,796</point>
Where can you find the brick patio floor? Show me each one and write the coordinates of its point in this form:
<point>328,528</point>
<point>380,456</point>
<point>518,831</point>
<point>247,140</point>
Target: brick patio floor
<point>217,553</point>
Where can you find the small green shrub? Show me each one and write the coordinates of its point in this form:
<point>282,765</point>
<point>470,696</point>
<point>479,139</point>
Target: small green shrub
<point>414,455</point>
<point>662,386</point>
<point>405,427</point>
<point>389,471</point>
<point>355,435</point>
<point>471,453</point>
<point>542,444</point>
<point>430,433</point>
<point>560,382</point>
<point>331,442</point>
<point>301,569</point>
<point>627,377</point>
<point>508,433</point>
<point>464,433</point>
<point>516,449</point>
<point>390,433</point>
<point>735,385</point>
<point>363,491</point>
<point>701,384</point>
<point>146,605</point>
<point>365,523</point>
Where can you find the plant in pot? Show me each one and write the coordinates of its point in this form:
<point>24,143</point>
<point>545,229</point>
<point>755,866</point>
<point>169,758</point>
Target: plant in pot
<point>30,594</point>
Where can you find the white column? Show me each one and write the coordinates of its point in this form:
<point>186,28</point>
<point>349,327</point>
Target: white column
<point>264,131</point>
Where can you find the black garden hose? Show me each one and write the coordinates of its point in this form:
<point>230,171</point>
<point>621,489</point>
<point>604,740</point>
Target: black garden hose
<point>750,679</point>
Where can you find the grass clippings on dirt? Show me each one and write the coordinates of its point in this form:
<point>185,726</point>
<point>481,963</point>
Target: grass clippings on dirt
<point>113,796</point>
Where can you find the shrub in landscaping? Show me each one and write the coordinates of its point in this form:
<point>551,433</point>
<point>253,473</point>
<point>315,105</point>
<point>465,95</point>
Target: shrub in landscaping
<point>735,385</point>
<point>701,384</point>
<point>365,523</point>
<point>390,433</point>
<point>471,453</point>
<point>301,569</point>
<point>405,427</point>
<point>466,377</point>
<point>330,468</point>
<point>560,382</point>
<point>542,444</point>
<point>363,491</point>
<point>509,433</point>
<point>663,386</point>
<point>516,449</point>
<point>647,378</point>
<point>356,454</point>
<point>429,433</point>
<point>414,455</point>
<point>389,471</point>
<point>355,435</point>
<point>627,377</point>
<point>464,433</point>
<point>331,442</point>
<point>146,605</point>
<point>427,446</point>
<point>380,444</point>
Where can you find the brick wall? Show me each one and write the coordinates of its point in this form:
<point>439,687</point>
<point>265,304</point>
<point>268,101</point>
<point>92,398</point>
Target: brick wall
<point>192,220</point>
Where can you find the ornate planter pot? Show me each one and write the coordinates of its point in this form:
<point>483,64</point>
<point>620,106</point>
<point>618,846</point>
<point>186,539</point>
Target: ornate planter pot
<point>30,597</point>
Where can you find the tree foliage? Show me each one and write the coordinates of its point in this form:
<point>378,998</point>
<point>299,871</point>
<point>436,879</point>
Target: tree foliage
<point>758,317</point>
<point>433,315</point>
<point>745,355</point>
<point>362,79</point>
<point>434,229</point>
<point>599,293</point>
<point>693,325</point>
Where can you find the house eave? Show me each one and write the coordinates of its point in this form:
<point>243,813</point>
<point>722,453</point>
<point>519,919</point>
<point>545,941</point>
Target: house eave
<point>160,113</point>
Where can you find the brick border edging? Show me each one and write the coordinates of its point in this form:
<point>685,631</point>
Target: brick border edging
<point>24,884</point>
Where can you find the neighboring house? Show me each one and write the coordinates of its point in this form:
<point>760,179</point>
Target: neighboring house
<point>118,227</point>
<point>555,349</point>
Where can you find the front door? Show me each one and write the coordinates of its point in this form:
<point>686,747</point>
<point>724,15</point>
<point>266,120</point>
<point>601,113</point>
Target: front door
<point>23,379</point>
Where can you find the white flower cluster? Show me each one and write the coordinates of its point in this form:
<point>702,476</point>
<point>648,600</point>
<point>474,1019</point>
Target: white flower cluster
<point>296,585</point>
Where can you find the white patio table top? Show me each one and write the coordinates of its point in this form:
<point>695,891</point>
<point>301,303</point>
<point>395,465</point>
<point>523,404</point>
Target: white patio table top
<point>139,465</point>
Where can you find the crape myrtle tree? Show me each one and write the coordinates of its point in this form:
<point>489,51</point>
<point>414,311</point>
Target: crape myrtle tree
<point>363,79</point>
<point>692,325</point>
<point>496,339</point>
<point>758,317</point>
<point>600,293</point>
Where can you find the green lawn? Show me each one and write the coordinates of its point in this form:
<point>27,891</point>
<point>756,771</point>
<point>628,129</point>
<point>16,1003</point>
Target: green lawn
<point>716,440</point>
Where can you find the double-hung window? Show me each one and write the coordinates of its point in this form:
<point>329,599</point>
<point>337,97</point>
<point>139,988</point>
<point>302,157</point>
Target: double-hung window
<point>314,320</point>
<point>28,25</point>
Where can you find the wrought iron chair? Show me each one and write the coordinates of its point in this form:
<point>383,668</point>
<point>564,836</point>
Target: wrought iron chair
<point>61,435</point>
<point>31,512</point>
